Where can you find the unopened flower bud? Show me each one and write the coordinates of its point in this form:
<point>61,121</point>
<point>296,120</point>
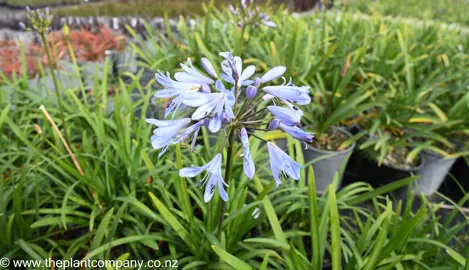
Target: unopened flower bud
<point>240,25</point>
<point>66,30</point>
<point>274,124</point>
<point>257,82</point>
<point>234,70</point>
<point>251,92</point>
<point>205,89</point>
<point>28,9</point>
<point>22,26</point>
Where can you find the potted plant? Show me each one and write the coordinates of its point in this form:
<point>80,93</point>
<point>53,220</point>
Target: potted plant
<point>91,48</point>
<point>443,149</point>
<point>333,104</point>
<point>388,153</point>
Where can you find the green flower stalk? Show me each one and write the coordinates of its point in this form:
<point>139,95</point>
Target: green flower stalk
<point>41,23</point>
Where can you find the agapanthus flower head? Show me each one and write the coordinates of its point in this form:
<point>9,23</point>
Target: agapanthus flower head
<point>40,21</point>
<point>219,106</point>
<point>246,15</point>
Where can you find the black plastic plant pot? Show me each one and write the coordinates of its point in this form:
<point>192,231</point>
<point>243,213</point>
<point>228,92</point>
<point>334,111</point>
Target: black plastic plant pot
<point>382,175</point>
<point>327,164</point>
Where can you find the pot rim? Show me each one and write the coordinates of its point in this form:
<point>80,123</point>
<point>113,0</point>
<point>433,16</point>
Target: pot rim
<point>310,147</point>
<point>430,152</point>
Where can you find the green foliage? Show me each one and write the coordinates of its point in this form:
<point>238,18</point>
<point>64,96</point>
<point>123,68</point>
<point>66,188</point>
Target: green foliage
<point>131,204</point>
<point>448,11</point>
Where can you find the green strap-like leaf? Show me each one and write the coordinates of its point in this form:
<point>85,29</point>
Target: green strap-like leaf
<point>231,260</point>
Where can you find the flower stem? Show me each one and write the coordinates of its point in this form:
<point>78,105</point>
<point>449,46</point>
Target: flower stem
<point>229,163</point>
<point>56,84</point>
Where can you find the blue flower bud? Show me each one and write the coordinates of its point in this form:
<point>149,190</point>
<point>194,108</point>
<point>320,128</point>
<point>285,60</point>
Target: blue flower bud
<point>274,124</point>
<point>205,89</point>
<point>22,26</point>
<point>257,82</point>
<point>251,92</point>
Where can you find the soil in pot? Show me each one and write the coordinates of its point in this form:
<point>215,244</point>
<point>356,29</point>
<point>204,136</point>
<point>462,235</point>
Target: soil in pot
<point>396,166</point>
<point>330,155</point>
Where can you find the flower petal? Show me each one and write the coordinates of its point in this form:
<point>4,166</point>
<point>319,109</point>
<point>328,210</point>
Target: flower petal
<point>220,86</point>
<point>221,190</point>
<point>249,167</point>
<point>215,123</point>
<point>270,24</point>
<point>195,99</point>
<point>247,73</point>
<point>168,92</point>
<point>297,133</point>
<point>285,115</point>
<point>192,171</point>
<point>273,74</point>
<point>227,78</point>
<point>163,123</point>
<point>295,94</point>
<point>210,188</point>
<point>205,109</point>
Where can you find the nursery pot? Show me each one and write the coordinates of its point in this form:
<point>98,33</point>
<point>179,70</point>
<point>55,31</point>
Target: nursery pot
<point>382,175</point>
<point>459,178</point>
<point>432,173</point>
<point>327,165</point>
<point>126,61</point>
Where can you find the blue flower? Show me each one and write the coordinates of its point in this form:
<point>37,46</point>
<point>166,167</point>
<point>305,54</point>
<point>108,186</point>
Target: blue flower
<point>248,163</point>
<point>267,22</point>
<point>287,119</point>
<point>233,70</point>
<point>191,131</point>
<point>191,75</point>
<point>287,116</point>
<point>217,107</point>
<point>212,179</point>
<point>299,95</point>
<point>183,93</point>
<point>166,132</point>
<point>282,164</point>
<point>297,133</point>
